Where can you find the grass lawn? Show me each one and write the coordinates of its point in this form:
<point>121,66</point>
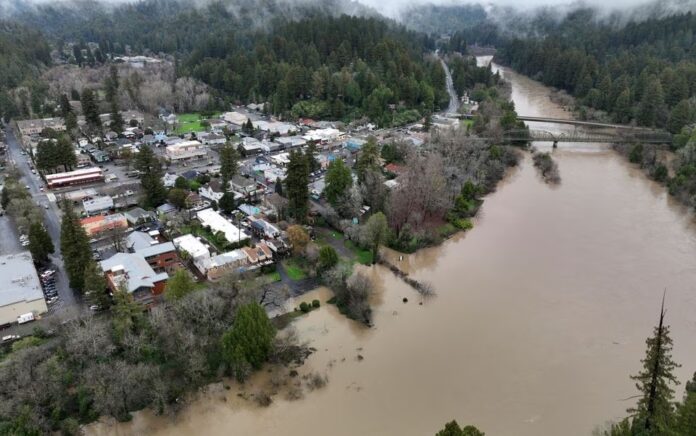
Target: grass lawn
<point>295,271</point>
<point>190,122</point>
<point>362,256</point>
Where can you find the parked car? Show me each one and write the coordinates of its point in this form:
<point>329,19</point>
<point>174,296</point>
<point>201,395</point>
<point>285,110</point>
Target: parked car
<point>10,338</point>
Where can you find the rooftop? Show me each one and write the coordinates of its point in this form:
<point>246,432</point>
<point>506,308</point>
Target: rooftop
<point>156,250</point>
<point>218,223</point>
<point>192,245</point>
<point>18,279</point>
<point>132,271</point>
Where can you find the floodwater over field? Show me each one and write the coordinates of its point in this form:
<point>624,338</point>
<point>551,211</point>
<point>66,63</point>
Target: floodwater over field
<point>541,314</point>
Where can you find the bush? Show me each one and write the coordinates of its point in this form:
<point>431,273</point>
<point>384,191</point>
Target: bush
<point>304,307</point>
<point>315,303</point>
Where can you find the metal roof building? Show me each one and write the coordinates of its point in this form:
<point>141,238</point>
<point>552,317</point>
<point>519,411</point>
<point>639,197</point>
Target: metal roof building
<point>20,289</point>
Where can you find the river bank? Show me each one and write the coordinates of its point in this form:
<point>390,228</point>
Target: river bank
<point>540,316</point>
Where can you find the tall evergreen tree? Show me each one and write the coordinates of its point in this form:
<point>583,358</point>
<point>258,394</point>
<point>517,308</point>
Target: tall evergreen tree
<point>95,288</point>
<point>151,177</point>
<point>90,109</point>
<point>338,181</point>
<point>228,164</point>
<point>248,343</point>
<point>74,246</point>
<point>40,243</point>
<point>296,184</point>
<point>654,413</point>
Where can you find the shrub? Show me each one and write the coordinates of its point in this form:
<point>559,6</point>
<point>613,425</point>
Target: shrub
<point>315,303</point>
<point>304,307</point>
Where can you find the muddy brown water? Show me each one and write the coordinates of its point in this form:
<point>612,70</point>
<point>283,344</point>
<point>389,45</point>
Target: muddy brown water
<point>541,314</point>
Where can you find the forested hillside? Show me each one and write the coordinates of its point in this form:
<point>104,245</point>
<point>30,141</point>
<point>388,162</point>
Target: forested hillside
<point>23,52</point>
<point>306,58</point>
<point>326,67</point>
<point>643,72</point>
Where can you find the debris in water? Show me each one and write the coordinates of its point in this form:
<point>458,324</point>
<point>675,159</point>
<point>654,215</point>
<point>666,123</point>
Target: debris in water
<point>405,300</point>
<point>360,357</point>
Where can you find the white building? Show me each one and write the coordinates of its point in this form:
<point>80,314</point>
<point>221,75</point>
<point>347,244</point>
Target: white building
<point>98,205</point>
<point>235,118</point>
<point>20,289</point>
<point>218,223</point>
<point>186,150</point>
<point>323,135</point>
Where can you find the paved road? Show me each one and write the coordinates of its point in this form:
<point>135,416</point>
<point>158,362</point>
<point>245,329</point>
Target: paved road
<point>68,302</point>
<point>454,99</point>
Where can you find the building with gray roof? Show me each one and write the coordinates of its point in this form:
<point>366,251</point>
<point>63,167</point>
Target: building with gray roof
<point>20,288</point>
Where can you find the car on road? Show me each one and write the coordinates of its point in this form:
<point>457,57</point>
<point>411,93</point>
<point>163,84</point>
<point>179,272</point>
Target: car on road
<point>45,205</point>
<point>27,186</point>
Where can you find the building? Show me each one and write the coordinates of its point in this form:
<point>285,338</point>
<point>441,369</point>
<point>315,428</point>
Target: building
<point>214,139</point>
<point>274,127</point>
<point>34,127</point>
<point>80,195</point>
<point>259,255</point>
<point>264,229</point>
<point>20,288</point>
<point>191,247</point>
<point>77,177</point>
<point>243,185</point>
<point>138,215</point>
<point>130,271</point>
<point>186,150</point>
<point>212,190</point>
<point>323,136</point>
<point>218,223</point>
<point>251,146</point>
<point>160,257</point>
<point>98,205</point>
<point>216,266</point>
<point>95,225</point>
<point>289,142</point>
<point>236,118</point>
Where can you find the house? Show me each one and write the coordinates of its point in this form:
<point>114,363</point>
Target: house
<point>95,225</point>
<point>186,150</point>
<point>35,127</point>
<point>138,215</point>
<point>394,168</point>
<point>216,266</point>
<point>243,185</point>
<point>80,195</point>
<point>192,248</point>
<point>259,255</point>
<point>20,288</point>
<point>263,228</point>
<point>214,139</point>
<point>276,203</point>
<point>132,273</point>
<point>166,209</point>
<point>354,144</point>
<point>194,201</point>
<point>98,205</point>
<point>169,180</point>
<point>160,257</point>
<point>236,118</point>
<point>218,223</point>
<point>277,246</point>
<point>211,190</point>
<point>251,146</point>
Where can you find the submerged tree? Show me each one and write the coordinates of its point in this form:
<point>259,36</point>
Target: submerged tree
<point>249,342</point>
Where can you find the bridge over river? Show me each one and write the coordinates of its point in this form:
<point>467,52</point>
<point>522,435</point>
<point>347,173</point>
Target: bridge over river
<point>619,137</point>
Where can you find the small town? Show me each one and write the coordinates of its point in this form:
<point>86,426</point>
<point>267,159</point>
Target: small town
<point>347,217</point>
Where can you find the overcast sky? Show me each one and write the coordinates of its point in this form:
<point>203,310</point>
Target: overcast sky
<point>391,7</point>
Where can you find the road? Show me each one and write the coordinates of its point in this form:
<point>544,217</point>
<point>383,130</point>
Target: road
<point>453,98</point>
<point>68,304</point>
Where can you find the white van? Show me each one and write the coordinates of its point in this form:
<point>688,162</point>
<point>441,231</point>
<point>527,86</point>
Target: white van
<point>25,318</point>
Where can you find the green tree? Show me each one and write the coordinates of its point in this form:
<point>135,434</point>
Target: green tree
<point>181,183</point>
<point>65,107</point>
<point>375,232</point>
<point>179,285</point>
<point>279,186</point>
<point>74,246</point>
<point>311,159</point>
<point>453,429</point>
<point>127,314</point>
<point>177,197</point>
<point>651,105</point>
<point>368,159</point>
<point>40,243</point>
<point>338,181</point>
<point>680,116</point>
<point>249,342</point>
<point>151,177</point>
<point>686,412</point>
<point>654,412</point>
<point>90,109</point>
<point>95,286</point>
<point>296,182</point>
<point>228,164</point>
<point>328,258</point>
<point>227,203</point>
<point>623,107</point>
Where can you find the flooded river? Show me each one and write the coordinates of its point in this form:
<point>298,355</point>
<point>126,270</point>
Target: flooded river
<point>541,314</point>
